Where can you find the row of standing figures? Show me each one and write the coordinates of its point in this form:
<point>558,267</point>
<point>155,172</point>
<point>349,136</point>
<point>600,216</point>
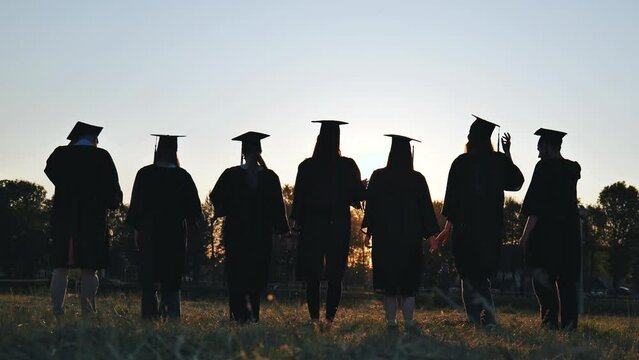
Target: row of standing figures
<point>165,211</point>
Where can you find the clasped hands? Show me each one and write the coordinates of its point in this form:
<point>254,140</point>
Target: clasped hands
<point>431,240</point>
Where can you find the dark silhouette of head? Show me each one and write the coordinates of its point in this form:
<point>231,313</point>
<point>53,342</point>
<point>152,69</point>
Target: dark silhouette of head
<point>479,136</point>
<point>84,131</point>
<point>327,145</point>
<point>252,148</point>
<point>252,154</point>
<point>166,150</point>
<point>401,155</point>
<point>549,144</point>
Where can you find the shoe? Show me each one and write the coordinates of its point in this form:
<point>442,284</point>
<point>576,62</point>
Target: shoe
<point>411,327</point>
<point>490,327</point>
<point>392,326</point>
<point>58,312</point>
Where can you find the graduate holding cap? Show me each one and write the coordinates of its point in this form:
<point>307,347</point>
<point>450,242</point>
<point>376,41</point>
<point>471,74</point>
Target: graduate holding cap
<point>551,236</point>
<point>474,209</point>
<point>399,216</point>
<point>326,186</point>
<point>86,187</point>
<point>249,198</point>
<point>165,208</point>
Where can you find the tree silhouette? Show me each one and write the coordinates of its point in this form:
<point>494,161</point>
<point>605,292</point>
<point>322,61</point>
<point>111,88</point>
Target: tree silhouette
<point>26,217</point>
<point>514,222</point>
<point>212,244</point>
<point>122,253</point>
<point>615,220</point>
<point>359,256</point>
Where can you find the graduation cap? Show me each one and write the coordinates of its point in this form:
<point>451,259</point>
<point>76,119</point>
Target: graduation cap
<point>401,138</point>
<point>330,127</point>
<point>251,141</point>
<point>166,142</point>
<point>550,136</point>
<point>482,127</point>
<point>83,129</point>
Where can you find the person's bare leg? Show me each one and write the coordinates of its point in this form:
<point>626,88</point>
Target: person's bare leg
<point>390,307</point>
<point>408,309</point>
<point>59,281</point>
<point>88,289</point>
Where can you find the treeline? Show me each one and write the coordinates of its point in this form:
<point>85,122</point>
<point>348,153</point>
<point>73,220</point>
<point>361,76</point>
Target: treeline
<point>610,248</point>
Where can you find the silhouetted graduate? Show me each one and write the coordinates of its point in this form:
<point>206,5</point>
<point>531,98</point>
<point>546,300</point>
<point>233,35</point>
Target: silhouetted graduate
<point>249,197</point>
<point>551,237</point>
<point>165,207</point>
<point>399,216</point>
<point>327,184</point>
<point>473,206</point>
<point>86,186</point>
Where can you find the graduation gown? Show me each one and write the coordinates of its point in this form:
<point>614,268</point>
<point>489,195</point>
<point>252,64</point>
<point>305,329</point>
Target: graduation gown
<point>252,216</point>
<point>474,204</point>
<point>399,215</point>
<point>324,192</point>
<point>552,197</point>
<point>162,201</point>
<point>86,185</point>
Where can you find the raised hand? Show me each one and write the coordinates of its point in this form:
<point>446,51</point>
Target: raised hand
<point>505,143</point>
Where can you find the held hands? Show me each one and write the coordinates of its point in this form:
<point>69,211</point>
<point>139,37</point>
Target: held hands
<point>505,143</point>
<point>432,244</point>
<point>295,228</point>
<point>367,241</point>
<point>292,236</point>
<point>136,242</point>
<point>441,238</point>
<point>291,240</point>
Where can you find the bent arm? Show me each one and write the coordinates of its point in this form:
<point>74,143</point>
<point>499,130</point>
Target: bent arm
<point>429,221</point>
<point>114,192</point>
<point>219,195</point>
<point>531,223</point>
<point>281,222</point>
<point>299,197</point>
<point>513,177</point>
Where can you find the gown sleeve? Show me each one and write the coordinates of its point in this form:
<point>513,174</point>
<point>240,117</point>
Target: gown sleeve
<point>299,194</point>
<point>358,189</point>
<point>52,169</point>
<point>192,206</point>
<point>221,193</point>
<point>280,222</point>
<point>429,220</point>
<point>451,200</point>
<point>136,206</point>
<point>533,201</point>
<point>112,190</point>
<point>512,177</point>
<point>371,204</point>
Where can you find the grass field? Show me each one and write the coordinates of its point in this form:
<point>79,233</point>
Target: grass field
<point>29,331</point>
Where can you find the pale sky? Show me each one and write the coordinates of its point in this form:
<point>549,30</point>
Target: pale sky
<point>215,69</point>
